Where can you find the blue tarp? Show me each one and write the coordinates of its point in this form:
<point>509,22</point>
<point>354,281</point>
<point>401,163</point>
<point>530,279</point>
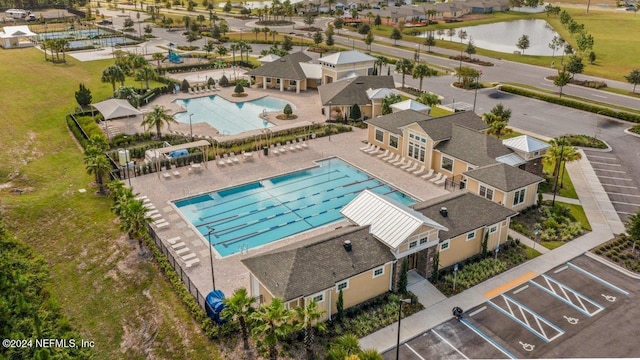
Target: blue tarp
<point>214,305</point>
<point>178,153</point>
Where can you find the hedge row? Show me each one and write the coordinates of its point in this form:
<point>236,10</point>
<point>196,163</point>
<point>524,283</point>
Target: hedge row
<point>573,104</point>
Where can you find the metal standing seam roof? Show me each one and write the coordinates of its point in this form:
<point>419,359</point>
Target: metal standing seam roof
<point>512,159</point>
<point>391,222</point>
<point>410,105</point>
<point>346,57</point>
<point>380,93</point>
<point>525,143</point>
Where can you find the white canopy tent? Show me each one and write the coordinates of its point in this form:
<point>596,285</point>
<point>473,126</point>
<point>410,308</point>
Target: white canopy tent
<point>116,108</point>
<point>17,36</point>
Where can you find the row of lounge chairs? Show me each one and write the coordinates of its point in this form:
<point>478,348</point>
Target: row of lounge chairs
<point>290,146</point>
<point>408,165</point>
<point>152,213</point>
<point>202,89</point>
<point>181,250</point>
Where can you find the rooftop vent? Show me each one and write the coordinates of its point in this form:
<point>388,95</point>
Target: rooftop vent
<point>347,245</point>
<point>444,212</point>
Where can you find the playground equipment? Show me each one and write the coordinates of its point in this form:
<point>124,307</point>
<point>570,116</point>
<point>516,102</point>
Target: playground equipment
<point>174,58</point>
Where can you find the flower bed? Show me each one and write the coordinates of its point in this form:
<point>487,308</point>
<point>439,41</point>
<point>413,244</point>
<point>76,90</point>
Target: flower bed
<point>622,251</point>
<point>555,223</point>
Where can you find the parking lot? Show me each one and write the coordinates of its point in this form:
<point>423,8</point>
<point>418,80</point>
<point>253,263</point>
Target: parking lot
<point>621,188</point>
<point>580,309</point>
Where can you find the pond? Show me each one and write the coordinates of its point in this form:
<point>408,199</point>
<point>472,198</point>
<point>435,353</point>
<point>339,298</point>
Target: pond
<point>503,36</point>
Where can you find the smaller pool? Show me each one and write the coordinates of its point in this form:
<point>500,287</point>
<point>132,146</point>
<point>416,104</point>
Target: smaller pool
<point>227,117</point>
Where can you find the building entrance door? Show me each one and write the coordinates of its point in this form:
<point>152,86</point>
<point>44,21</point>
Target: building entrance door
<point>412,261</point>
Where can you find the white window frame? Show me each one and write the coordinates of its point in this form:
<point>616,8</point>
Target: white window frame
<point>378,131</point>
<point>445,245</point>
<point>442,157</point>
<point>519,196</point>
<point>471,235</point>
<point>397,141</point>
<point>268,80</point>
<point>493,229</point>
<point>381,268</point>
<point>413,244</point>
<point>424,240</point>
<point>346,282</point>
<point>320,295</point>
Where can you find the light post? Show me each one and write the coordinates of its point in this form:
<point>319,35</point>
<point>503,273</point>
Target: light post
<point>455,273</point>
<point>213,277</point>
<point>191,126</point>
<point>475,95</point>
<point>558,165</point>
<point>495,263</point>
<point>535,237</point>
<point>126,159</point>
<point>408,301</point>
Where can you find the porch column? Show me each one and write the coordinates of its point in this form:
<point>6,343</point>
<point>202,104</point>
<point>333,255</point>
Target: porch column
<point>264,83</point>
<point>297,87</point>
<point>281,84</point>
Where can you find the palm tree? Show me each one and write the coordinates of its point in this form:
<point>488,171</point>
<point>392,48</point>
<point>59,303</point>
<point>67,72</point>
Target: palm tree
<point>112,74</point>
<point>157,57</point>
<point>561,150</point>
<point>239,306</point>
<point>158,117</point>
<point>420,72</point>
<point>343,347</point>
<point>380,61</point>
<point>134,220</point>
<point>271,323</point>
<point>146,73</point>
<point>116,187</point>
<point>99,166</point>
<point>234,47</point>
<point>307,316</point>
<point>208,47</point>
<point>121,196</point>
<point>256,30</point>
<point>404,66</point>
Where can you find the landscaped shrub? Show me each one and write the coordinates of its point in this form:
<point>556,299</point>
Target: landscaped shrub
<point>473,274</point>
<point>572,104</point>
<point>224,82</point>
<point>585,141</point>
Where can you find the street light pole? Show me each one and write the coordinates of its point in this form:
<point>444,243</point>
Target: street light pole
<point>213,277</point>
<point>475,95</point>
<point>126,159</point>
<point>408,301</point>
<point>191,126</point>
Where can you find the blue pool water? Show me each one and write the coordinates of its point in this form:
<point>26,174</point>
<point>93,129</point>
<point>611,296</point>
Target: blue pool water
<point>227,117</point>
<point>261,212</point>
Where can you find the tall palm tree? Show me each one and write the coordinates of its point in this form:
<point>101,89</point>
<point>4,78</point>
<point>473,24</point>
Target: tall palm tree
<point>157,57</point>
<point>421,71</point>
<point>116,187</point>
<point>99,166</point>
<point>240,306</point>
<point>112,74</point>
<point>561,150</point>
<point>234,47</point>
<point>271,323</point>
<point>208,47</point>
<point>157,118</point>
<point>256,30</point>
<point>380,61</point>
<point>343,347</point>
<point>146,73</point>
<point>308,317</point>
<point>404,66</point>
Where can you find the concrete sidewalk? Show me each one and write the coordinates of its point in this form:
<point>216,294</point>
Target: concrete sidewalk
<point>438,310</point>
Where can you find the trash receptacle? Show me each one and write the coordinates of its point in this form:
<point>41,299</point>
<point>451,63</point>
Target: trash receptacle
<point>265,150</point>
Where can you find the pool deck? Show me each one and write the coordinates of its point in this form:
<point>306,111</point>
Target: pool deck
<point>229,271</point>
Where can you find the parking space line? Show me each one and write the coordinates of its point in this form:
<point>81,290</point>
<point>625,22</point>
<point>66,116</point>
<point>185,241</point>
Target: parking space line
<point>615,171</point>
<point>598,279</point>
<point>448,343</point>
<point>487,339</point>
<point>601,157</point>
<point>624,212</point>
<point>521,289</point>
<point>510,285</point>
<point>540,331</point>
<point>615,178</point>
<point>624,203</point>
<point>622,186</point>
<point>478,311</point>
<point>612,193</point>
<point>565,297</point>
<point>561,269</point>
<point>601,163</point>
<point>418,355</point>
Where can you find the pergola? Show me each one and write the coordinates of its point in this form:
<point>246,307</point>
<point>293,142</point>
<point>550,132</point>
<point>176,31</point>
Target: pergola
<point>204,144</point>
<point>116,108</point>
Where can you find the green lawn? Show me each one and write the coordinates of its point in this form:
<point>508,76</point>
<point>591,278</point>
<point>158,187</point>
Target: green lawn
<point>437,111</point>
<point>578,213</point>
<point>566,190</point>
<point>552,244</point>
<point>110,295</point>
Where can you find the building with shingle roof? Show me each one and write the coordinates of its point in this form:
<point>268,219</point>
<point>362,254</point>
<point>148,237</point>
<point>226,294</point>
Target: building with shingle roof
<point>341,95</point>
<point>472,147</point>
<point>286,73</point>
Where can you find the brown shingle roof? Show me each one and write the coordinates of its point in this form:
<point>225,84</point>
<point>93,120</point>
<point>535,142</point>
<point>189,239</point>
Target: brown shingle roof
<point>465,212</point>
<point>394,121</point>
<point>287,67</point>
<point>353,91</point>
<point>440,128</point>
<point>311,266</point>
<point>473,147</point>
<point>504,177</point>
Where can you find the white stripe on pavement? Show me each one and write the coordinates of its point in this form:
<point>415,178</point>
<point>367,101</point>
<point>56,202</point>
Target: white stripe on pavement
<point>611,193</point>
<point>615,178</point>
<point>624,203</point>
<point>615,171</point>
<point>448,343</point>
<point>601,163</point>
<point>622,186</point>
<point>601,157</point>
<point>415,352</point>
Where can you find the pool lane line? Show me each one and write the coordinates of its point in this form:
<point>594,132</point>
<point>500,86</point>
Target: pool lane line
<point>600,280</point>
<point>225,231</point>
<point>311,177</point>
<point>487,338</point>
<point>448,343</point>
<point>565,298</point>
<point>265,190</point>
<point>510,285</point>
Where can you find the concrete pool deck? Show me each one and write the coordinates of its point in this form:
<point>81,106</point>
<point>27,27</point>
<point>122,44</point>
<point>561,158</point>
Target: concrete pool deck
<point>230,274</point>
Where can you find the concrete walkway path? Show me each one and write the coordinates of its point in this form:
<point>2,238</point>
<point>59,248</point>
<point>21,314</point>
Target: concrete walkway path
<point>438,308</point>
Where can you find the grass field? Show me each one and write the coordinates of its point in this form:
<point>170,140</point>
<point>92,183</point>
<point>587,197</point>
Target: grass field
<point>111,296</point>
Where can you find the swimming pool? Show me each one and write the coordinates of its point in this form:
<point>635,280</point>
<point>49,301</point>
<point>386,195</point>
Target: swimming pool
<point>227,117</point>
<point>261,212</point>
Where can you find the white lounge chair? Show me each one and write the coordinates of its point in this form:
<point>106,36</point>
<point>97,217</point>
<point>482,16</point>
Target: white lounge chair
<point>407,165</point>
<point>291,146</point>
<point>419,171</point>
<point>188,256</point>
<point>274,150</point>
<point>227,159</point>
<point>428,174</point>
<point>183,250</point>
<point>413,168</point>
<point>151,212</point>
<point>166,175</point>
<point>234,158</point>
<point>281,148</point>
<point>173,240</point>
<point>304,145</point>
<point>190,91</point>
<point>155,216</point>
<point>142,197</point>
<point>178,245</point>
<point>385,153</point>
<point>441,181</point>
<point>388,157</point>
<point>398,162</point>
<point>176,173</point>
<point>392,160</point>
<point>373,151</point>
<point>299,144</point>
<point>162,225</point>
<point>220,161</point>
<point>368,147</point>
<point>436,178</point>
<point>192,262</point>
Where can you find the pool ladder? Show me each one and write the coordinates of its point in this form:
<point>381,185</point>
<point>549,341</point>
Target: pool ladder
<point>244,248</point>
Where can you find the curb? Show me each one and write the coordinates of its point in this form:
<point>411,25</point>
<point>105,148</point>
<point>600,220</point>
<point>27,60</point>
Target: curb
<point>629,132</point>
<point>614,266</point>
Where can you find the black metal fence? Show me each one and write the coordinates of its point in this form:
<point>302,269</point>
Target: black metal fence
<point>184,277</point>
<point>455,183</point>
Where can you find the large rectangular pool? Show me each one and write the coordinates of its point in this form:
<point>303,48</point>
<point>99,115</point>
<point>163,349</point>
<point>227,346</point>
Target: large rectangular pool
<point>261,212</point>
